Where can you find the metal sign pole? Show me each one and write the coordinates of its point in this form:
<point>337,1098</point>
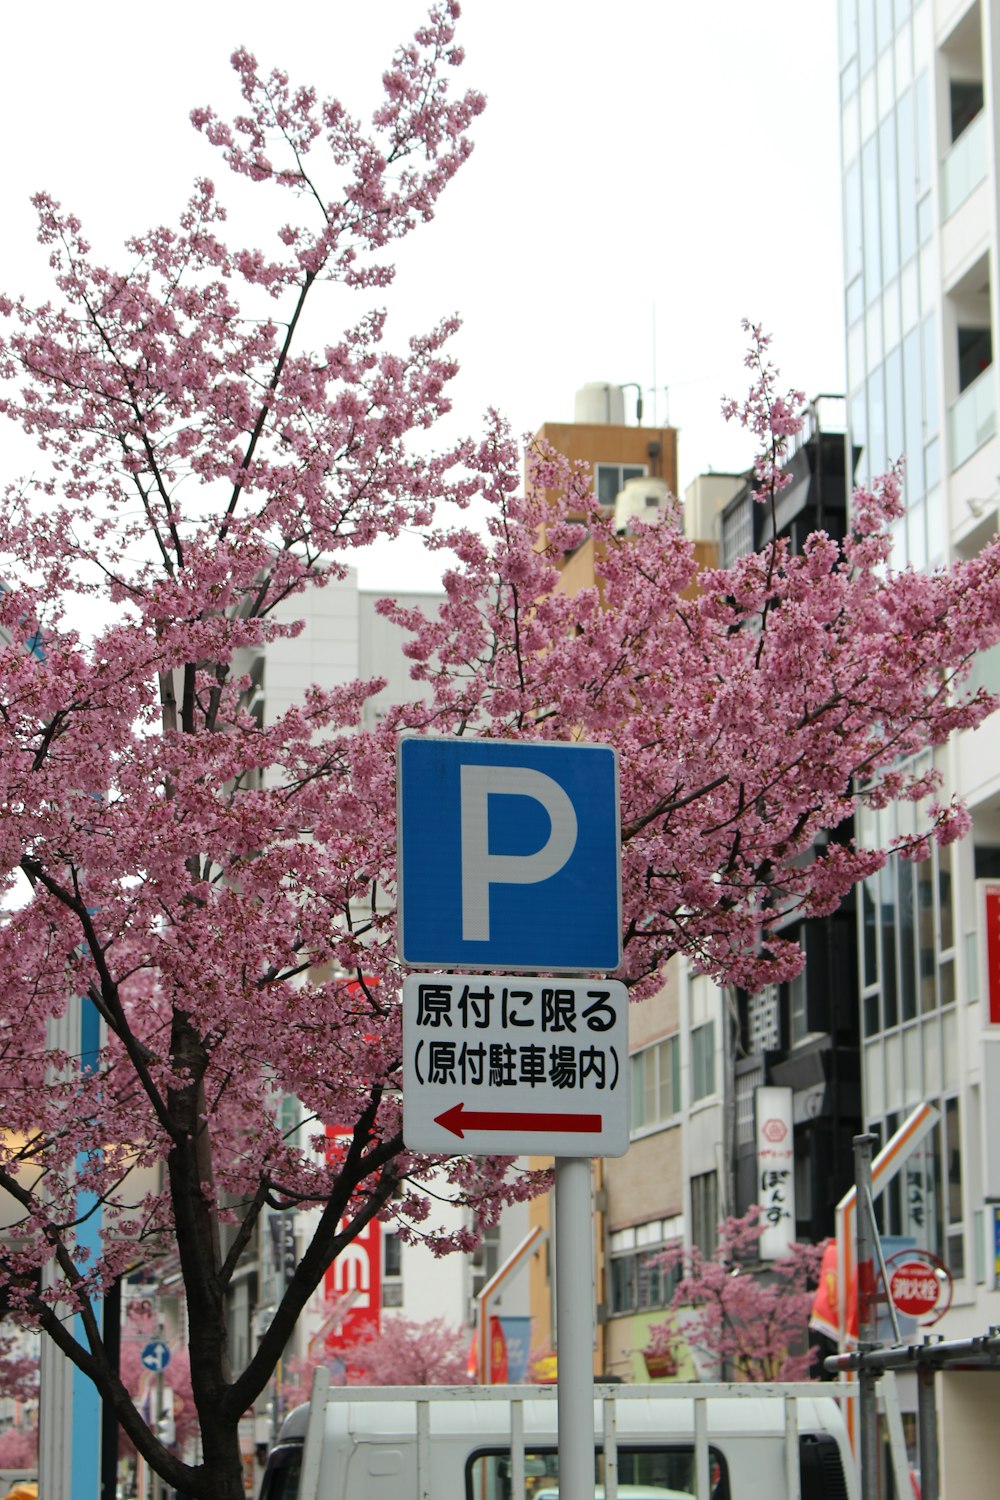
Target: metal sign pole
<point>867,1233</point>
<point>558,909</point>
<point>575,1326</point>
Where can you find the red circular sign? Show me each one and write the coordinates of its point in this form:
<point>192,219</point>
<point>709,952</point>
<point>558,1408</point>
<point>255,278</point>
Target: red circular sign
<point>775,1130</point>
<point>915,1288</point>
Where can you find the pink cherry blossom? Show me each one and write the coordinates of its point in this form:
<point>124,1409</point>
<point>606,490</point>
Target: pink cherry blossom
<point>219,891</point>
<point>745,1326</point>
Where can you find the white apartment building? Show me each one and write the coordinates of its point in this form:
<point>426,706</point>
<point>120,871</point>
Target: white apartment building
<point>921,202</point>
<point>345,638</point>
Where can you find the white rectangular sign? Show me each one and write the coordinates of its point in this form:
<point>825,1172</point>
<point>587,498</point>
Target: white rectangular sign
<point>775,1171</point>
<point>505,1066</point>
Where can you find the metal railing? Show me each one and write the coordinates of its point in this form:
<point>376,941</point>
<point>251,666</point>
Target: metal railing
<point>607,1401</point>
<point>972,421</point>
<point>964,168</point>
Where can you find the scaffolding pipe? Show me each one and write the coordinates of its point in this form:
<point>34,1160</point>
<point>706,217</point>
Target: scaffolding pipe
<point>930,1482</point>
<point>934,1352</point>
<point>867,1315</point>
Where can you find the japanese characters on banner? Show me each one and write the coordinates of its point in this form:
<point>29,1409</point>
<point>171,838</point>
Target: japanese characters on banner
<point>356,1275</point>
<point>919,1191</point>
<point>775,1171</point>
<point>509,1352</point>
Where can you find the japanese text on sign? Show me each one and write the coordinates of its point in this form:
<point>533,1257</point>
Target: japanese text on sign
<point>552,1011</point>
<point>774,1194</point>
<point>480,1006</point>
<point>552,1053</point>
<point>775,1170</point>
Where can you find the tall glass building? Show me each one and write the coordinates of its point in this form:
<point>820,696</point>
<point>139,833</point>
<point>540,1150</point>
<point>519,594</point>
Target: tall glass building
<point>918,94</point>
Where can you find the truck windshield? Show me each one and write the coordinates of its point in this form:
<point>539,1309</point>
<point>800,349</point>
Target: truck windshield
<point>643,1474</point>
<point>281,1477</point>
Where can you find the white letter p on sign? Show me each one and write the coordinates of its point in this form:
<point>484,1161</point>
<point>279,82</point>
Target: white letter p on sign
<point>480,868</point>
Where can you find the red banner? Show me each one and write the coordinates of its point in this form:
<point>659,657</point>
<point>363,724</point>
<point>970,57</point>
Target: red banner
<point>825,1303</point>
<point>992,893</point>
<point>356,1274</point>
<point>498,1353</point>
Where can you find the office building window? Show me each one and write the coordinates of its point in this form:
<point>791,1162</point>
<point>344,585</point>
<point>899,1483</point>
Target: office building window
<point>737,529</point>
<point>703,1061</point>
<point>763,1021</point>
<point>392,1271</point>
<point>705,1212</point>
<point>637,1279</point>
<point>610,478</point>
<point>907,938</point>
<point>798,1022</point>
<point>392,1255</point>
<point>656,1084</point>
<point>954,1236</point>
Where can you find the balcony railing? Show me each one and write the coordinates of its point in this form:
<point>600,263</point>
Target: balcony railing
<point>964,168</point>
<point>972,421</point>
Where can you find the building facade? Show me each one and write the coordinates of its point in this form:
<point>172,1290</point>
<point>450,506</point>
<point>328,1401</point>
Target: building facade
<point>666,1189</point>
<point>344,637</point>
<point>921,213</point>
<point>802,1036</point>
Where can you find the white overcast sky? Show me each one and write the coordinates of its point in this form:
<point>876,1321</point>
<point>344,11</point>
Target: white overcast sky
<point>646,174</point>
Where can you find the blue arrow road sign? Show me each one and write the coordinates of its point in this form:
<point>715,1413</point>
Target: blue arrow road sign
<point>155,1355</point>
<point>509,855</point>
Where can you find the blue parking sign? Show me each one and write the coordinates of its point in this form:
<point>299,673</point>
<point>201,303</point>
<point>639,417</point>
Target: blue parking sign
<point>509,855</point>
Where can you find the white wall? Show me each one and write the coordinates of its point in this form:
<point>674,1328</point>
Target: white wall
<point>344,637</point>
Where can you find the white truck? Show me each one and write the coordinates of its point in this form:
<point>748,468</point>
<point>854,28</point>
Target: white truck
<point>678,1442</point>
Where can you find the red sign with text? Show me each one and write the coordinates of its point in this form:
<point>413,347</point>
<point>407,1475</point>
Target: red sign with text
<point>914,1288</point>
<point>355,1274</point>
<point>992,893</point>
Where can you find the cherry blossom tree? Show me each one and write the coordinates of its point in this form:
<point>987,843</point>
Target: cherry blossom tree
<point>402,1352</point>
<point>296,1379</point>
<point>18,1370</point>
<point>405,1352</point>
<point>217,893</point>
<point>201,464</point>
<point>19,1448</point>
<point>19,1382</point>
<point>139,1328</point>
<point>739,1317</point>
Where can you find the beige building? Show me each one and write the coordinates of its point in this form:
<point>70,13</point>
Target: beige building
<point>665,1188</point>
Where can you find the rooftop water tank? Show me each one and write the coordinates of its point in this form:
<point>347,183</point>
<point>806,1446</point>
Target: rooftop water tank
<point>599,402</point>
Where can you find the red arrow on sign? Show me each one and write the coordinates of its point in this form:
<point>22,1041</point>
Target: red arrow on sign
<point>458,1120</point>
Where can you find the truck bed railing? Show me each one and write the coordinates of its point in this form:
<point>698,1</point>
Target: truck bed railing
<point>696,1394</point>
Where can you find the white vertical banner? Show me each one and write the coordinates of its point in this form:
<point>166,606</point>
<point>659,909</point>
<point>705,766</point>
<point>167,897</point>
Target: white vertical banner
<point>775,1171</point>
